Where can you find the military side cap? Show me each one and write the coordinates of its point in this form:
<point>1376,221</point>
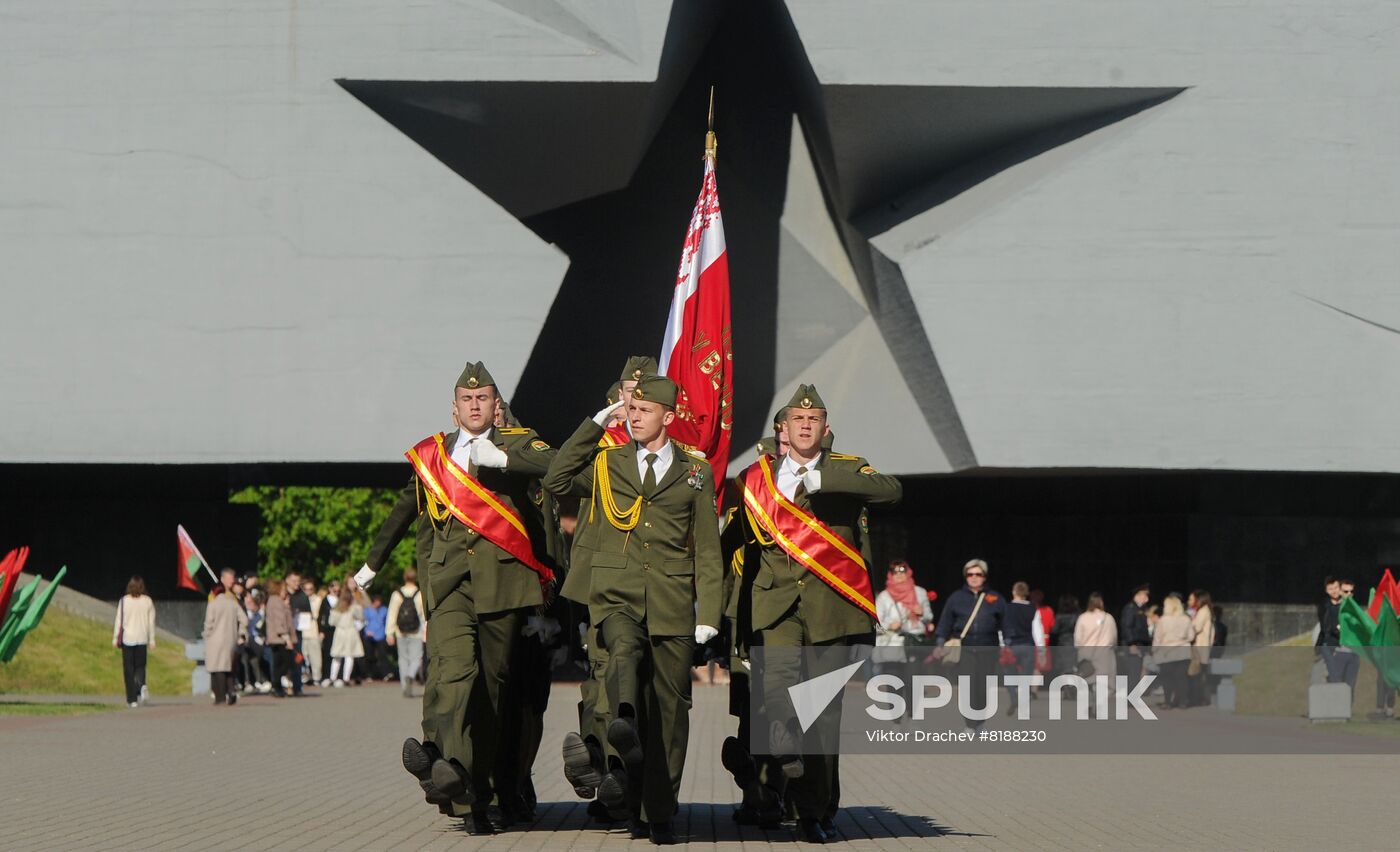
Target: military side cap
<point>638,366</point>
<point>614,394</point>
<point>658,389</point>
<point>806,397</point>
<point>475,376</point>
<point>779,418</point>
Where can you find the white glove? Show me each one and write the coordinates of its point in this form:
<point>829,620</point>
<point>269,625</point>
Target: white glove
<point>704,633</point>
<point>549,629</point>
<point>812,481</point>
<point>364,577</point>
<point>532,626</point>
<point>486,454</point>
<point>602,417</point>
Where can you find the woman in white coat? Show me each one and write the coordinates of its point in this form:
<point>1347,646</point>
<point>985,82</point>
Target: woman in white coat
<point>346,646</point>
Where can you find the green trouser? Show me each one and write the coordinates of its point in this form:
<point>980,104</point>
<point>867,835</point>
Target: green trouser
<point>593,695</point>
<point>817,792</point>
<point>651,674</point>
<point>469,659</point>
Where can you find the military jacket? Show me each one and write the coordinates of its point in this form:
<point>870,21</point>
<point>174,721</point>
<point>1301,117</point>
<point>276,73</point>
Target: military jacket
<point>669,559</point>
<point>449,552</point>
<point>773,581</point>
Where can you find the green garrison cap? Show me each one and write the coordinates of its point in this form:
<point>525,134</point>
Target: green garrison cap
<point>614,394</point>
<point>657,389</point>
<point>475,376</point>
<point>806,397</point>
<point>638,366</point>
<point>780,417</point>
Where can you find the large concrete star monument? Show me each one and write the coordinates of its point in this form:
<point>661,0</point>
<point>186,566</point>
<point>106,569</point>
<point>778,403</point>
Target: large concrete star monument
<point>825,188</point>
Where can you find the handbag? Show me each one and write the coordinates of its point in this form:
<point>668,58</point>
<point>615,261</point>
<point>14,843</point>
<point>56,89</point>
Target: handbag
<point>952,649</point>
<point>1195,667</point>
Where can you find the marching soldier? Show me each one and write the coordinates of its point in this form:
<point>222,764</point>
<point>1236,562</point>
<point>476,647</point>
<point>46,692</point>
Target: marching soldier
<point>655,553</point>
<point>586,751</point>
<point>808,584</point>
<point>481,550</point>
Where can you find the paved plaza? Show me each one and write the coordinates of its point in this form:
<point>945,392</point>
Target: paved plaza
<point>323,773</point>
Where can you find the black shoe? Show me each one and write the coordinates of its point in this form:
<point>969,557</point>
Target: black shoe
<point>639,829</point>
<point>450,778</point>
<point>601,812</point>
<point>662,834</point>
<point>232,698</point>
<point>757,815</point>
<point>828,827</point>
<point>418,758</point>
<point>735,758</point>
<point>810,830</point>
<point>612,790</point>
<point>479,823</point>
<point>579,768</point>
<point>433,796</point>
<point>622,733</point>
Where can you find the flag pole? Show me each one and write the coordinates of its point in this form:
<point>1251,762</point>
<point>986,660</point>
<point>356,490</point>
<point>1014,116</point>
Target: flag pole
<point>711,141</point>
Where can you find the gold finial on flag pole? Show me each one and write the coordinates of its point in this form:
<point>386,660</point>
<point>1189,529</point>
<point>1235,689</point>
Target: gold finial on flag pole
<point>711,141</point>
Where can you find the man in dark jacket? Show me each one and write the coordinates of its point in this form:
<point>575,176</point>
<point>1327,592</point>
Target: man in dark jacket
<point>974,614</point>
<point>1133,635</point>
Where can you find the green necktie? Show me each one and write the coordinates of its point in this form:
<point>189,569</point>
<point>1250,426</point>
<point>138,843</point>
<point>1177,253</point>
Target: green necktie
<point>801,490</point>
<point>649,481</point>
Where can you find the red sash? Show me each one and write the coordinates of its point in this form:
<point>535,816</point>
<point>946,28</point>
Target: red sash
<point>615,436</point>
<point>804,538</point>
<point>473,503</point>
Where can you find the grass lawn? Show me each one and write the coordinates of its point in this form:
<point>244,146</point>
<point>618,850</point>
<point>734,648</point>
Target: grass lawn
<point>1276,678</point>
<point>19,708</point>
<point>71,655</point>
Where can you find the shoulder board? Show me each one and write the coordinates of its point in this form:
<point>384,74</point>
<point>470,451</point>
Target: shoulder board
<point>841,457</point>
<point>604,447</point>
<point>512,431</point>
<point>696,454</point>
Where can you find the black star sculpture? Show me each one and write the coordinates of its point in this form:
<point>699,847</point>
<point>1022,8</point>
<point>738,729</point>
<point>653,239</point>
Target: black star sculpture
<point>816,182</point>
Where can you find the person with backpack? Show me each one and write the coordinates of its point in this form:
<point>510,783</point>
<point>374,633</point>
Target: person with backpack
<point>407,629</point>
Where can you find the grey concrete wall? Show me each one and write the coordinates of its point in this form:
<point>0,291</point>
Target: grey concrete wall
<point>213,253</point>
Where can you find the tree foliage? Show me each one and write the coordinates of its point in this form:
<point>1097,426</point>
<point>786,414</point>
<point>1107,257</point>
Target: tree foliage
<point>324,533</point>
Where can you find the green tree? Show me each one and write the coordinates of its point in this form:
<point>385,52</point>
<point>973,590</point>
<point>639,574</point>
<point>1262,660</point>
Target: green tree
<point>324,533</point>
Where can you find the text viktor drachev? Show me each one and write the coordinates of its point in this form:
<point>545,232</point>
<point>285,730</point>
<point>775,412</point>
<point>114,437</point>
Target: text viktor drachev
<point>932,692</point>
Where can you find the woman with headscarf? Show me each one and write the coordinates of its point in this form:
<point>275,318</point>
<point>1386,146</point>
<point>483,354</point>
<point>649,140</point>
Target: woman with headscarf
<point>902,608</point>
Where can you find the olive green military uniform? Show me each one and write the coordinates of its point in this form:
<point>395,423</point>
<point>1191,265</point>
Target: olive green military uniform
<point>644,587</point>
<point>527,688</point>
<point>593,708</point>
<point>476,595</point>
<point>788,606</point>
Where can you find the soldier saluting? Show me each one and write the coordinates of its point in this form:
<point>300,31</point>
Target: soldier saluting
<point>481,548</point>
<point>655,553</point>
<point>808,585</point>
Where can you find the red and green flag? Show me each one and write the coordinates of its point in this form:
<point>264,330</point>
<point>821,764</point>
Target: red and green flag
<point>18,625</point>
<point>10,569</point>
<point>191,560</point>
<point>1378,639</point>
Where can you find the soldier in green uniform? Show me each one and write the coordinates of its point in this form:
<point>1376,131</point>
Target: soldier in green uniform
<point>656,553</point>
<point>792,606</point>
<point>477,596</point>
<point>527,688</point>
<point>586,752</point>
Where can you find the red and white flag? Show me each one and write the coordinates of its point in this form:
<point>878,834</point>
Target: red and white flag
<point>697,352</point>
